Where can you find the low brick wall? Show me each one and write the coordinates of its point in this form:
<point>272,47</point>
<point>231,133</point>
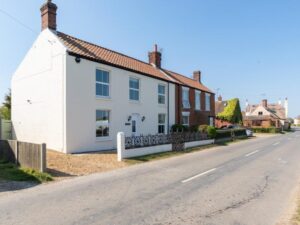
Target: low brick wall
<point>24,154</point>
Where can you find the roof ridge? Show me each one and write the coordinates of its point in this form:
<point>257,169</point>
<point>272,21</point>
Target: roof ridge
<point>96,45</point>
<point>181,75</point>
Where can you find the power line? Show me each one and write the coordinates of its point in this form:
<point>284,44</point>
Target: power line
<point>18,21</point>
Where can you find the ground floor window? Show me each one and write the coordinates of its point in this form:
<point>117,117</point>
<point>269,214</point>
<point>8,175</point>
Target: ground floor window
<point>185,119</point>
<point>161,123</point>
<point>102,123</point>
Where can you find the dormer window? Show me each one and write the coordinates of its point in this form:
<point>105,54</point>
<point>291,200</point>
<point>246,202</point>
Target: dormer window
<point>260,113</point>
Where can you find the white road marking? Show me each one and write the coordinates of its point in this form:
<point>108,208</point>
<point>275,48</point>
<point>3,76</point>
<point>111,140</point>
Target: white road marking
<point>251,153</point>
<point>198,175</point>
<point>289,138</point>
<point>277,143</point>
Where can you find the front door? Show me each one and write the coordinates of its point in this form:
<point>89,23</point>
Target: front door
<point>135,124</point>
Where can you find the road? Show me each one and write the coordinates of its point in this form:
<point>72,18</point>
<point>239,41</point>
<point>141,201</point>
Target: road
<point>248,183</point>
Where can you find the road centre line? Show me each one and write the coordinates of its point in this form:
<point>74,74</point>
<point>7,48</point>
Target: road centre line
<point>198,175</point>
<point>277,143</point>
<point>251,153</point>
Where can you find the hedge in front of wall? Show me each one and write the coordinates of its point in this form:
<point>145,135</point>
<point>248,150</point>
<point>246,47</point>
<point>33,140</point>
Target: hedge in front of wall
<point>271,130</point>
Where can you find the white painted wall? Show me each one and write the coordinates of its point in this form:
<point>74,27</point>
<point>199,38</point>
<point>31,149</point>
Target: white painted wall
<point>81,105</point>
<point>260,109</point>
<point>38,93</point>
<point>297,121</point>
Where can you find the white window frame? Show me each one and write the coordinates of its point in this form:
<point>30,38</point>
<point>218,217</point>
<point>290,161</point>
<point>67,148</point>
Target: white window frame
<point>161,95</point>
<point>186,103</point>
<point>162,124</point>
<point>197,101</point>
<point>134,89</point>
<point>104,124</point>
<point>103,83</point>
<point>185,114</point>
<point>207,103</point>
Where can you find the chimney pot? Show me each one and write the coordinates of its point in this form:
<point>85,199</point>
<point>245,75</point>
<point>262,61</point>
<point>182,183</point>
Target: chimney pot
<point>48,14</point>
<point>197,76</point>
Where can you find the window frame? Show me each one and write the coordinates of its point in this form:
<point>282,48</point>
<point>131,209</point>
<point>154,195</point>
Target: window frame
<point>207,103</point>
<point>185,114</point>
<point>161,95</point>
<point>108,125</point>
<point>162,124</point>
<point>188,106</point>
<point>103,83</point>
<point>198,93</point>
<point>134,89</point>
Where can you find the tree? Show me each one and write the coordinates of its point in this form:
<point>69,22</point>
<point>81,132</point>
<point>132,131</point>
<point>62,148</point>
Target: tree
<point>5,109</point>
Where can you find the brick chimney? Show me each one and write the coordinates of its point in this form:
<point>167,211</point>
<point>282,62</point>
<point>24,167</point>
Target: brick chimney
<point>197,76</point>
<point>264,103</point>
<point>48,13</point>
<point>155,57</point>
<point>220,98</point>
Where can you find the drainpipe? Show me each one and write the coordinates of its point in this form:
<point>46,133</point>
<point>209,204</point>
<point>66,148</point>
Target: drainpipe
<point>168,107</point>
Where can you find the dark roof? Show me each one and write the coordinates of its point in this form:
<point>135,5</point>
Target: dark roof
<point>220,106</point>
<point>106,56</point>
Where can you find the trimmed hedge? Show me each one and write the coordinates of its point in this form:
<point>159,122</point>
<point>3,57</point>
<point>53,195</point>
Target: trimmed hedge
<point>271,130</point>
<point>230,133</point>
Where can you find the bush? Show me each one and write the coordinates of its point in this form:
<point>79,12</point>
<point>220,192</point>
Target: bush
<point>223,134</point>
<point>179,128</point>
<point>193,128</point>
<point>203,128</point>
<point>271,130</point>
<point>240,132</point>
<point>211,132</point>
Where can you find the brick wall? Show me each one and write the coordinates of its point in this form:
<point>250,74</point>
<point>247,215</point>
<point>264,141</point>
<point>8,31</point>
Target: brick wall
<point>197,117</point>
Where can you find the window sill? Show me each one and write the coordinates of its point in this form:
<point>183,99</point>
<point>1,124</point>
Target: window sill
<point>135,102</point>
<point>101,139</point>
<point>103,98</point>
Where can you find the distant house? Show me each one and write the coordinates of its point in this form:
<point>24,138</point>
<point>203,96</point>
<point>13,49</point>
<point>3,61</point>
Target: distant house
<point>228,112</point>
<point>75,96</point>
<point>297,120</point>
<point>266,115</point>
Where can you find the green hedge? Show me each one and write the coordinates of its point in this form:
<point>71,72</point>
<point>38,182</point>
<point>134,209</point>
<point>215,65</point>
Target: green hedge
<point>271,130</point>
<point>230,132</point>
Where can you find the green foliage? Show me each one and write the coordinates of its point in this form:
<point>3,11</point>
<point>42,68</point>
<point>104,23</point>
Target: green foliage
<point>230,133</point>
<point>232,112</point>
<point>179,128</point>
<point>211,132</point>
<point>271,130</point>
<point>5,109</point>
<point>203,128</point>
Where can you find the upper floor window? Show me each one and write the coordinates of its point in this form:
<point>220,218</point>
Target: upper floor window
<point>161,94</point>
<point>197,100</point>
<point>260,113</point>
<point>134,89</point>
<point>102,83</point>
<point>161,123</point>
<point>207,101</point>
<point>185,98</point>
<point>102,123</point>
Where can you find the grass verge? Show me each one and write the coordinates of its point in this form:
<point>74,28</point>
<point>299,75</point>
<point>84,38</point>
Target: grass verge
<point>296,218</point>
<point>10,172</point>
<point>164,155</point>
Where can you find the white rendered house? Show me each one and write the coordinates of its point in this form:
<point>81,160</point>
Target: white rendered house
<point>75,96</point>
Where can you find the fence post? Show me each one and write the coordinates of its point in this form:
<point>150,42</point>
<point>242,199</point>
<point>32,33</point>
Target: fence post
<point>16,147</point>
<point>120,145</point>
<point>43,157</point>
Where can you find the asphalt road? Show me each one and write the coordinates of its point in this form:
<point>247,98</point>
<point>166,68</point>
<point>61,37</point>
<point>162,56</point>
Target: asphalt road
<point>248,183</point>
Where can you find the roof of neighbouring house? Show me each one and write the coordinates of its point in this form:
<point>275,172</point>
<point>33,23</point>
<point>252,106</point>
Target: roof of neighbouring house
<point>220,106</point>
<point>106,56</point>
<point>276,109</point>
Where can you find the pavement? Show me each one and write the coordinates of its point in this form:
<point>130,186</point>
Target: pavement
<point>248,183</point>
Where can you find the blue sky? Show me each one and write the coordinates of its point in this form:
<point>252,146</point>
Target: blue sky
<point>246,49</point>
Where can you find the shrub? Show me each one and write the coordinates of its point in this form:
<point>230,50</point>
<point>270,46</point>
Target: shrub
<point>211,132</point>
<point>223,134</point>
<point>193,128</point>
<point>179,128</point>
<point>203,128</point>
<point>271,130</point>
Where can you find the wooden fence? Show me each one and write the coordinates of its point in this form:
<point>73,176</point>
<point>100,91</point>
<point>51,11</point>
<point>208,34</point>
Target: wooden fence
<point>24,154</point>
